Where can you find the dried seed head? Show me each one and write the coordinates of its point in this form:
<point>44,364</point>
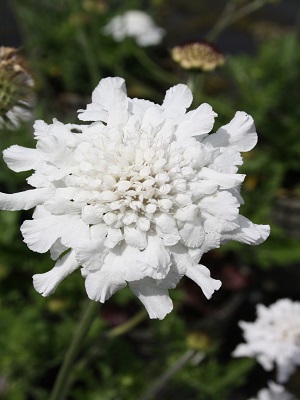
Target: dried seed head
<point>16,89</point>
<point>197,55</point>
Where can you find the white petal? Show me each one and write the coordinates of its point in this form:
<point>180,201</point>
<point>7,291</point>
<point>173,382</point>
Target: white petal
<point>57,249</point>
<point>24,200</point>
<point>102,99</point>
<point>192,233</point>
<point>101,284</point>
<point>53,149</point>
<point>157,257</point>
<point>155,299</point>
<point>202,188</point>
<point>201,275</point>
<point>41,128</point>
<point>40,234</point>
<point>167,228</point>
<point>138,107</point>
<point>113,237</point>
<point>130,263</point>
<point>248,232</point>
<point>219,225</point>
<point>91,253</point>
<point>180,258</point>
<point>227,160</point>
<point>143,224</point>
<point>196,122</point>
<point>178,98</point>
<point>39,180</point>
<point>46,283</point>
<point>172,278</point>
<point>134,237</point>
<point>118,114</point>
<point>225,181</point>
<point>59,205</point>
<point>211,241</point>
<point>153,118</point>
<point>187,213</point>
<point>20,158</point>
<point>222,205</point>
<point>239,133</point>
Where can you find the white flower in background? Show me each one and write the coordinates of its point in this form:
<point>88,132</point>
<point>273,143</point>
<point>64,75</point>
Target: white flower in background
<point>274,392</point>
<point>136,24</point>
<point>137,196</point>
<point>274,338</point>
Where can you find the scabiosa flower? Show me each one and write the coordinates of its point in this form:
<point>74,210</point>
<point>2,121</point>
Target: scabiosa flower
<point>16,89</point>
<point>197,55</point>
<point>274,392</point>
<point>274,338</point>
<point>136,24</point>
<point>136,196</point>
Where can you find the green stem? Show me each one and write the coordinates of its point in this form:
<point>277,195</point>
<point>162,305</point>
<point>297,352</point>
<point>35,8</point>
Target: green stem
<point>195,82</point>
<point>128,325</point>
<point>163,379</point>
<point>95,351</point>
<point>87,318</point>
<point>229,18</point>
<point>155,70</point>
<point>89,57</point>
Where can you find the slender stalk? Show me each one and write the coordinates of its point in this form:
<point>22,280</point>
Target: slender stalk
<point>227,18</point>
<point>163,379</point>
<point>128,325</point>
<point>89,56</point>
<point>157,72</point>
<point>95,351</point>
<point>87,318</point>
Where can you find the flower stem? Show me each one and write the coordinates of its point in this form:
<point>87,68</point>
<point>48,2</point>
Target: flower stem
<point>230,16</point>
<point>128,325</point>
<point>164,378</point>
<point>87,318</point>
<point>157,72</point>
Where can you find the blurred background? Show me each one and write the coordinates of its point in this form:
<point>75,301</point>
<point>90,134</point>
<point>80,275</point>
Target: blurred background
<point>187,356</point>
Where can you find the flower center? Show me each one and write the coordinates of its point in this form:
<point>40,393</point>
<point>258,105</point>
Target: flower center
<point>121,182</point>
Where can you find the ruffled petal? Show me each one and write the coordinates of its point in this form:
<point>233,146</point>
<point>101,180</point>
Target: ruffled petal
<point>239,133</point>
<point>101,284</point>
<point>46,283</point>
<point>157,257</point>
<point>20,158</point>
<point>118,113</point>
<point>40,234</point>
<point>211,241</point>
<point>201,275</point>
<point>195,123</point>
<point>24,200</point>
<point>178,98</point>
<point>167,228</point>
<point>57,249</point>
<point>225,181</point>
<point>222,205</point>
<point>247,232</point>
<point>92,252</point>
<point>134,237</point>
<point>192,234</point>
<point>103,98</point>
<point>155,299</point>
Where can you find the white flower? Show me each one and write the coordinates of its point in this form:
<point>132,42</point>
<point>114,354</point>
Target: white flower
<point>274,392</point>
<point>136,24</point>
<point>137,196</point>
<point>274,338</point>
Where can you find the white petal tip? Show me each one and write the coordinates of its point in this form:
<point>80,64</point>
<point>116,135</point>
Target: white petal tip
<point>44,284</point>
